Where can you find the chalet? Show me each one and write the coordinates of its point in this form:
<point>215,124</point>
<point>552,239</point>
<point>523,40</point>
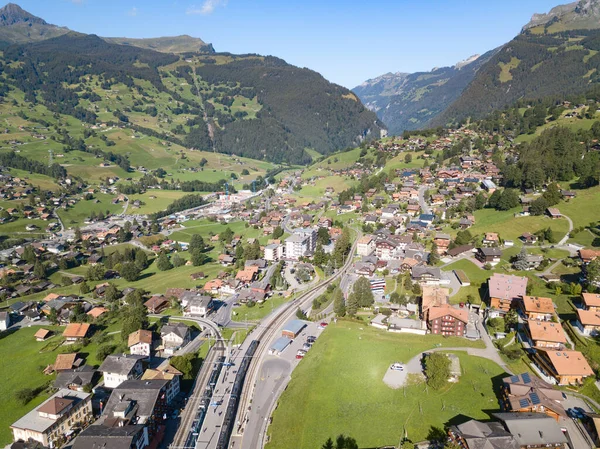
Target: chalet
<point>504,289</point>
<point>528,239</point>
<point>42,334</point>
<point>491,239</point>
<point>566,367</point>
<point>140,343</point>
<point>199,305</point>
<point>117,369</point>
<point>213,286</point>
<point>226,259</point>
<point>587,255</point>
<point>76,331</point>
<point>426,275</point>
<point>67,362</point>
<point>546,335</point>
<point>365,246</point>
<point>553,213</point>
<point>447,321</point>
<point>433,296</point>
<point>528,393</point>
<point>591,301</point>
<point>247,275</point>
<point>156,304</point>
<point>174,337</point>
<point>442,242</point>
<point>488,255</point>
<point>458,250</point>
<point>568,194</point>
<point>537,308</point>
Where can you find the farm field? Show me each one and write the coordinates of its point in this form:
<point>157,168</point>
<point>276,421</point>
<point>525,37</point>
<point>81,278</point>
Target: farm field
<point>76,215</point>
<point>338,388</point>
<point>155,200</point>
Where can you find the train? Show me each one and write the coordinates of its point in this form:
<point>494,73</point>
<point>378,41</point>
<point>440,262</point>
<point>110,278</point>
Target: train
<point>234,400</point>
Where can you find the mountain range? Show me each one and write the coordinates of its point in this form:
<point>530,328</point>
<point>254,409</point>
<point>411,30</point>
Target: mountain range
<point>180,90</point>
<point>554,55</point>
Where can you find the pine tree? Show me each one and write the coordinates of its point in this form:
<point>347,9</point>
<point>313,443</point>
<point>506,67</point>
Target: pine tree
<point>163,263</point>
<point>352,304</point>
<point>339,307</point>
<point>434,256</point>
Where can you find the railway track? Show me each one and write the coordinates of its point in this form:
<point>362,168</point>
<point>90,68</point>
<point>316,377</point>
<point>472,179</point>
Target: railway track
<point>189,414</point>
<point>269,331</point>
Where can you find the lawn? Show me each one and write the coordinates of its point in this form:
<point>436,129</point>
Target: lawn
<point>510,227</point>
<point>259,311</point>
<point>338,388</point>
<point>154,201</point>
<point>18,227</point>
<point>584,208</point>
<point>76,215</point>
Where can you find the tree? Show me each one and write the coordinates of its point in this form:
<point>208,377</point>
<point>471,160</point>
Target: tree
<point>39,270</point>
<point>593,271</point>
<point>141,260</point>
<point>521,263</point>
<point>339,307</point>
<point>323,236</point>
<point>53,316</point>
<point>29,254</point>
<point>408,158</point>
<point>130,271</point>
<point>437,370</point>
<point>84,288</point>
<point>226,236</point>
<point>163,263</point>
<point>510,320</point>
<point>320,258</point>
<point>463,237</point>
<point>134,318</point>
<point>178,261</point>
<point>301,314</point>
<point>352,304</point>
<point>508,199</point>
<point>198,258</point>
<point>111,293</point>
<point>197,243</point>
<point>362,291</point>
<point>277,232</point>
<point>434,256</point>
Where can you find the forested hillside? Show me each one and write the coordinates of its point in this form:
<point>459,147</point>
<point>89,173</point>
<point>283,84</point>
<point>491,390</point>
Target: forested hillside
<point>411,101</point>
<point>536,64</point>
<point>259,107</point>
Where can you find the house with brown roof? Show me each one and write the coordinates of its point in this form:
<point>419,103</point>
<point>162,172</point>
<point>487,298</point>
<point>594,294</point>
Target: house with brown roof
<point>156,304</point>
<point>553,213</point>
<point>67,361</point>
<point>140,343</point>
<point>76,331</point>
<point>433,296</point>
<point>247,275</point>
<point>537,308</point>
<point>97,311</point>
<point>166,373</point>
<point>527,393</point>
<point>566,367</point>
<point>447,321</point>
<point>42,334</point>
<point>591,301</point>
<point>588,321</point>
<point>587,255</point>
<point>503,289</point>
<point>545,334</point>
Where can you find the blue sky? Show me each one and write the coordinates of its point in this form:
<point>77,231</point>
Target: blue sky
<point>348,41</point>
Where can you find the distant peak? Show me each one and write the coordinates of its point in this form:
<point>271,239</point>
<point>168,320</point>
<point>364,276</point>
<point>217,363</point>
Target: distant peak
<point>12,14</point>
<point>579,14</point>
<point>467,61</point>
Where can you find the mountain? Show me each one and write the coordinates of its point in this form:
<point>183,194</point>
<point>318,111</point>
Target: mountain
<point>556,54</point>
<point>170,44</point>
<point>19,26</point>
<point>407,101</point>
<point>247,105</point>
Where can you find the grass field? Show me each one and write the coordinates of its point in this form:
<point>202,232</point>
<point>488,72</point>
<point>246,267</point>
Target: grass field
<point>584,208</point>
<point>76,215</point>
<point>259,311</point>
<point>510,227</point>
<point>338,388</point>
<point>155,200</point>
<point>17,227</point>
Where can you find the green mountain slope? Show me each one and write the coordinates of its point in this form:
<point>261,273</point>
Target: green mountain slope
<point>411,101</point>
<point>248,105</point>
<point>168,44</point>
<point>553,56</point>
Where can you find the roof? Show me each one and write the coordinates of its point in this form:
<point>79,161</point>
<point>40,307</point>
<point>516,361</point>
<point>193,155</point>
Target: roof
<point>526,391</point>
<point>434,296</point>
<point>436,312</point>
<point>76,330</point>
<point>588,317</point>
<point>294,326</point>
<point>365,240</point>
<point>591,299</point>
<point>506,286</point>
<point>65,361</point>
<point>178,329</point>
<point>42,333</point>
<point>494,252</point>
<point>145,393</point>
<point>80,376</point>
<point>119,364</point>
<point>488,435</point>
<point>97,311</point>
<point>55,405</point>
<point>553,211</point>
<point>139,336</point>
<point>33,421</point>
<point>538,304</point>
<point>568,362</point>
<point>459,250</point>
<point>104,437</point>
<point>280,344</point>
<point>544,331</point>
<point>535,429</point>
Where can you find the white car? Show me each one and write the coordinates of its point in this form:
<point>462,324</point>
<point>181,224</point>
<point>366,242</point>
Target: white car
<point>397,367</point>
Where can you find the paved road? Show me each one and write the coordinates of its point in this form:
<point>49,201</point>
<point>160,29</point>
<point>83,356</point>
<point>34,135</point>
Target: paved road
<point>566,237</point>
<point>424,206</point>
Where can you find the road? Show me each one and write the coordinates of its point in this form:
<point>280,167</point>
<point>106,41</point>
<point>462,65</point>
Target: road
<point>425,209</point>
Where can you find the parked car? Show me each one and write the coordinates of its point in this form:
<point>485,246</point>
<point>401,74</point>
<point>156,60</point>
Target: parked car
<point>397,367</point>
<point>301,352</point>
<point>306,347</point>
<point>323,325</point>
<point>311,339</point>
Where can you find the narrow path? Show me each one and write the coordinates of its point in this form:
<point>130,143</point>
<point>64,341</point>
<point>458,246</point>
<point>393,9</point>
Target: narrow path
<point>566,237</point>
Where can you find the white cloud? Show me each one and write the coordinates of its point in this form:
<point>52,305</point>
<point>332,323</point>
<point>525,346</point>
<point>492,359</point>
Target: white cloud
<point>207,7</point>
<point>132,12</point>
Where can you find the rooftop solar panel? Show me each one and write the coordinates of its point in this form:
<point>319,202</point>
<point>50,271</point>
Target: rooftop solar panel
<point>523,402</point>
<point>535,399</point>
<point>526,378</point>
<point>514,379</point>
